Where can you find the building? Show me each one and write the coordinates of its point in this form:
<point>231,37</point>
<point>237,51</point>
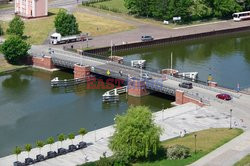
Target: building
<point>31,8</point>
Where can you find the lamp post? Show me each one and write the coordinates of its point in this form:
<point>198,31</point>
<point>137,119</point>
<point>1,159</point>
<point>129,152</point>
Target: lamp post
<point>95,132</point>
<point>231,114</point>
<point>195,135</point>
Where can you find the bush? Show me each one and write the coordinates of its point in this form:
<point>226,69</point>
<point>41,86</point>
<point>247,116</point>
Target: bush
<point>16,26</point>
<point>104,161</point>
<point>177,152</point>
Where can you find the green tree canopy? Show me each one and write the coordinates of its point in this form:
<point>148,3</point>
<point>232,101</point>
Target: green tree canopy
<point>136,135</point>
<point>66,24</point>
<point>14,49</point>
<point>28,148</point>
<point>39,144</point>
<point>71,136</point>
<point>16,26</point>
<point>50,141</point>
<point>17,151</point>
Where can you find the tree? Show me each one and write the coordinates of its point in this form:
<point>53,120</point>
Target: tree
<point>50,141</point>
<point>17,151</point>
<point>14,49</point>
<point>1,30</point>
<point>200,10</point>
<point>16,26</point>
<point>82,132</point>
<point>66,24</point>
<point>61,138</point>
<point>140,7</point>
<point>136,135</point>
<point>28,148</point>
<point>71,136</point>
<point>39,144</point>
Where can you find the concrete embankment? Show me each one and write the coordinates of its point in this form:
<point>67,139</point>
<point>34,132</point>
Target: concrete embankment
<point>188,117</point>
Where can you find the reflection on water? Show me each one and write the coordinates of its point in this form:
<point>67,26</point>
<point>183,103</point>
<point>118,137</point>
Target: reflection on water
<point>31,110</point>
<point>227,58</point>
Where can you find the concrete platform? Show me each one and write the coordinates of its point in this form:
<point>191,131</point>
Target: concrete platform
<point>189,117</point>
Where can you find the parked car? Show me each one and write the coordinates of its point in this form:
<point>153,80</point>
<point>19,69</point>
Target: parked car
<point>146,38</point>
<point>51,154</point>
<point>29,161</point>
<point>223,96</point>
<point>39,158</point>
<point>145,76</point>
<point>187,85</point>
<point>18,163</point>
<point>61,151</point>
<point>72,148</point>
<point>81,145</point>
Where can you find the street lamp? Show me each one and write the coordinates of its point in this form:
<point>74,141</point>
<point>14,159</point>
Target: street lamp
<point>95,132</point>
<point>231,118</point>
<point>195,135</point>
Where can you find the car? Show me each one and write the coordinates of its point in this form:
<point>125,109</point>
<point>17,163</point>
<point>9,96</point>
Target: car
<point>145,76</point>
<point>61,151</point>
<point>72,148</point>
<point>147,38</point>
<point>29,161</point>
<point>51,154</point>
<point>223,96</point>
<point>39,158</point>
<point>18,163</point>
<point>81,145</point>
<point>187,85</point>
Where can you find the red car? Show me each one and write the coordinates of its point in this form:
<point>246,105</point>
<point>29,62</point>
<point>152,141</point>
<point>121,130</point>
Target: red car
<point>224,96</point>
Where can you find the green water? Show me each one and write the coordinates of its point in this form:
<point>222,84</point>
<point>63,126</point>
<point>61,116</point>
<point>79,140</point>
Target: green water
<point>31,110</point>
<point>226,58</point>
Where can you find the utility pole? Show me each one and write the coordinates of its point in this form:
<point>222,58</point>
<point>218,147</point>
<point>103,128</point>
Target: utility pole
<point>231,118</point>
<point>111,50</point>
<point>195,135</point>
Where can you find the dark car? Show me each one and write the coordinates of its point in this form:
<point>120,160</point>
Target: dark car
<point>223,96</point>
<point>81,145</point>
<point>187,85</point>
<point>39,158</point>
<point>29,161</point>
<point>147,38</point>
<point>51,154</point>
<point>72,148</point>
<point>61,151</point>
<point>17,163</point>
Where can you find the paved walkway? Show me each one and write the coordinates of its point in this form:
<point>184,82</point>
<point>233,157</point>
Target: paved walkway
<point>187,117</point>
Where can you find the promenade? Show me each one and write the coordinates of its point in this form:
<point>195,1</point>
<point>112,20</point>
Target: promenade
<point>187,117</point>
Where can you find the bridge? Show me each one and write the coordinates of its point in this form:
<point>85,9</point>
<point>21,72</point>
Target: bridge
<point>201,94</point>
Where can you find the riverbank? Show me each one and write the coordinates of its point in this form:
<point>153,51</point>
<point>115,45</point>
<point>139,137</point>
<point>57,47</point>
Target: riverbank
<point>5,67</point>
<point>187,117</point>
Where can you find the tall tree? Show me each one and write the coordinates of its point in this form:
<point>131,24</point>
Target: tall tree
<point>17,151</point>
<point>50,141</point>
<point>200,10</point>
<point>66,24</point>
<point>28,148</point>
<point>136,135</point>
<point>71,136</point>
<point>16,26</point>
<point>61,138</point>
<point>224,8</point>
<point>140,7</point>
<point>14,49</point>
<point>39,144</point>
<point>82,132</point>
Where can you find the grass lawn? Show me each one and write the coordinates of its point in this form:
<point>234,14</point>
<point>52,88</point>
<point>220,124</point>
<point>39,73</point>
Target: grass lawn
<point>207,141</point>
<point>5,66</point>
<point>244,162</point>
<point>113,4</point>
<point>38,30</point>
<point>96,25</point>
<point>6,6</point>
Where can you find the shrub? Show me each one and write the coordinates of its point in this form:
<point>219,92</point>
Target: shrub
<point>105,161</point>
<point>1,31</point>
<point>177,152</point>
